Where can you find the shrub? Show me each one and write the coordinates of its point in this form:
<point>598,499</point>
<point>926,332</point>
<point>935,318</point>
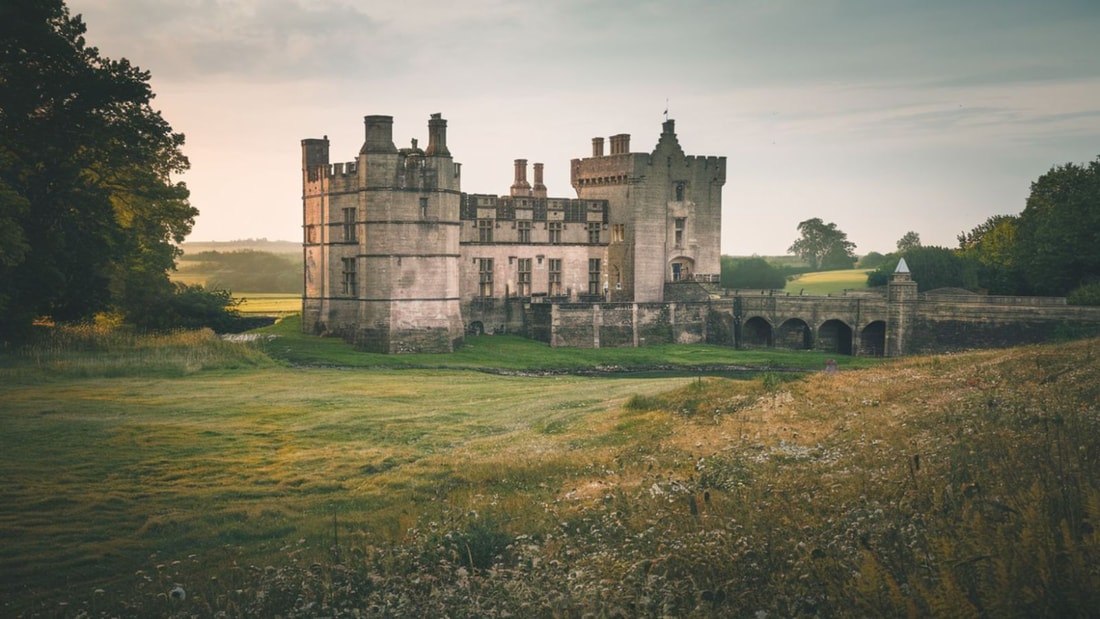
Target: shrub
<point>1088,294</point>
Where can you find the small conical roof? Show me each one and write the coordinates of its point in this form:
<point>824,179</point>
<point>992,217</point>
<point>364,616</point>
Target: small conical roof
<point>902,267</point>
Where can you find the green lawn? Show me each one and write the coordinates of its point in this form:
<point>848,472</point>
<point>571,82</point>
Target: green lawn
<point>828,282</point>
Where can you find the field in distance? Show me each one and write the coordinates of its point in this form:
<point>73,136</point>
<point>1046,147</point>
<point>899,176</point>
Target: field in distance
<point>828,282</point>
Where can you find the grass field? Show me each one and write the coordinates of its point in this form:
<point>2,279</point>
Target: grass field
<point>828,282</point>
<point>269,303</point>
<point>187,476</point>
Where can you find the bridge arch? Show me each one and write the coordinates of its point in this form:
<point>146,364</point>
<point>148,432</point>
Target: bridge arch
<point>756,332</point>
<point>794,334</point>
<point>872,340</point>
<point>835,335</point>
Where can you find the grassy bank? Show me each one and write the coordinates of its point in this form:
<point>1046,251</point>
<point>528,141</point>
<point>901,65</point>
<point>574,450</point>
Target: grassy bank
<point>960,485</point>
<point>828,282</point>
<point>515,353</point>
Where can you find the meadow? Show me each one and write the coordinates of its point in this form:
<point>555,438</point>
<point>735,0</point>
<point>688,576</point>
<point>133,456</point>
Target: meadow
<point>828,282</point>
<point>187,476</point>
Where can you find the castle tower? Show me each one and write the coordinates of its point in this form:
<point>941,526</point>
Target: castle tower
<point>901,310</point>
<point>665,213</point>
<point>382,243</point>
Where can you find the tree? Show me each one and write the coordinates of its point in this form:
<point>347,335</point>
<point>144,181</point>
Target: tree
<point>1057,244</point>
<point>871,260</point>
<point>90,214</point>
<point>931,268</point>
<point>822,244</point>
<point>908,241</point>
<point>751,273</point>
<point>992,245</point>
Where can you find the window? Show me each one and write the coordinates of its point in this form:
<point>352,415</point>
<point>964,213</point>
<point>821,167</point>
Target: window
<point>594,233</point>
<point>524,231</point>
<point>485,277</point>
<point>349,224</point>
<point>523,276</point>
<point>350,281</point>
<point>593,276</point>
<point>485,231</point>
<point>423,208</point>
<point>554,282</point>
<point>679,192</point>
<point>679,231</point>
<point>618,233</point>
<point>555,232</point>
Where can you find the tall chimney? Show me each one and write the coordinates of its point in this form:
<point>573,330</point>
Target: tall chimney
<point>437,137</point>
<point>379,135</point>
<point>520,187</point>
<point>597,147</point>
<point>538,190</point>
<point>620,144</point>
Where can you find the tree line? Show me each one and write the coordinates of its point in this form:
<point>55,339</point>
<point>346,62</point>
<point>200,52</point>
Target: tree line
<point>91,215</point>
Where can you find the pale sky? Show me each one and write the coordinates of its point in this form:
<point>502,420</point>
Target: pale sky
<point>880,116</point>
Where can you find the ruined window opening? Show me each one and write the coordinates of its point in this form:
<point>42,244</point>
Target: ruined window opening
<point>523,277</point>
<point>679,192</point>
<point>524,231</point>
<point>349,225</point>
<point>679,235</point>
<point>594,233</point>
<point>423,208</point>
<point>618,233</point>
<point>485,277</point>
<point>593,276</point>
<point>485,231</point>
<point>350,280</point>
<point>555,232</point>
<point>554,279</point>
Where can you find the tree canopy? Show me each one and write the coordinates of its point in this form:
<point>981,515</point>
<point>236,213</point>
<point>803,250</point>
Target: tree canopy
<point>823,246</point>
<point>751,272</point>
<point>89,212</point>
<point>908,241</point>
<point>932,267</point>
<point>1057,240</point>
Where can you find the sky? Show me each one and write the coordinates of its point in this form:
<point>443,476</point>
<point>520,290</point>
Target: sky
<point>882,117</point>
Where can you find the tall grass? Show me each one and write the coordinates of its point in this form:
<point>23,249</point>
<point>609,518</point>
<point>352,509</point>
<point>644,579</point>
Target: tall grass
<point>105,350</point>
<point>961,485</point>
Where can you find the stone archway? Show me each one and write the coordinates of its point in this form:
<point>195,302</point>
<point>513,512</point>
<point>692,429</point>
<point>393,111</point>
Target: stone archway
<point>756,332</point>
<point>681,268</point>
<point>794,334</point>
<point>872,340</point>
<point>835,336</point>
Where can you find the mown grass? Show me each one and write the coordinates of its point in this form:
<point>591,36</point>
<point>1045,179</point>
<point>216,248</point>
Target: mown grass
<point>828,282</point>
<point>960,485</point>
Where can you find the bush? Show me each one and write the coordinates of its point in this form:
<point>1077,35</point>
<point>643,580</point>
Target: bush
<point>751,273</point>
<point>1088,294</point>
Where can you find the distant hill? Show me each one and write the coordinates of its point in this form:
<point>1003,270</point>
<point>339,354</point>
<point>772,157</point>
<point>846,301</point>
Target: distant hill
<point>274,247</point>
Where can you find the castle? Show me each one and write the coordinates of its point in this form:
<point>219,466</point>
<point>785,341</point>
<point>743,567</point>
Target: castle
<point>399,259</point>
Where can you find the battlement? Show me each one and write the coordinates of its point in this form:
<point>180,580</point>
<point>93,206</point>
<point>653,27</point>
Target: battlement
<point>343,169</point>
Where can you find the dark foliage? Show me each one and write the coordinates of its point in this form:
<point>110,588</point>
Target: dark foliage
<point>931,268</point>
<point>751,273</point>
<point>90,215</point>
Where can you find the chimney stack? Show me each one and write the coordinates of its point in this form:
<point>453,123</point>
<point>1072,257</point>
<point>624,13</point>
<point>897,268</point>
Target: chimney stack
<point>437,137</point>
<point>379,137</point>
<point>538,190</point>
<point>597,147</point>
<point>520,187</point>
<point>620,144</point>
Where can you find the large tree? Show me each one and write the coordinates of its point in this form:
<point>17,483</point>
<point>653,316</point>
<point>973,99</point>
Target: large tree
<point>90,214</point>
<point>823,245</point>
<point>992,245</point>
<point>1057,245</point>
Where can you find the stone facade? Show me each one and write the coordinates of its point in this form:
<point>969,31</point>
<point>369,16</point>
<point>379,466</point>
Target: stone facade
<point>398,259</point>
